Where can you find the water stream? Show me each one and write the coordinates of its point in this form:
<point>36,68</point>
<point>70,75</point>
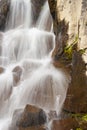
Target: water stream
<point>27,74</point>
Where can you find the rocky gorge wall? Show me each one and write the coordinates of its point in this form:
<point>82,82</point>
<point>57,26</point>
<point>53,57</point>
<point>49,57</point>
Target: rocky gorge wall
<point>70,28</point>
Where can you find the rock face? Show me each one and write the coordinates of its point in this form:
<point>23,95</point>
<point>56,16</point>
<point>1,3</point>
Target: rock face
<point>65,124</point>
<point>4,7</point>
<point>70,21</point>
<point>76,100</point>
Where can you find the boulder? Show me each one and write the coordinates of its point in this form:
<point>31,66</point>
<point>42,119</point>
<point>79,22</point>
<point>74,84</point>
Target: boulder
<point>16,115</point>
<point>32,116</point>
<point>17,72</point>
<point>2,69</point>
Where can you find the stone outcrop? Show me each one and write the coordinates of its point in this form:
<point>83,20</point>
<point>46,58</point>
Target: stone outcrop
<point>76,100</point>
<point>70,27</point>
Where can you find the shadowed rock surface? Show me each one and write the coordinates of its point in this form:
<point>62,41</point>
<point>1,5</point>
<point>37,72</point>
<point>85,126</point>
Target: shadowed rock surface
<point>4,8</point>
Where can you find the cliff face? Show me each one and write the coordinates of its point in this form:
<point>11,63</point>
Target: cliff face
<point>70,20</point>
<point>70,27</point>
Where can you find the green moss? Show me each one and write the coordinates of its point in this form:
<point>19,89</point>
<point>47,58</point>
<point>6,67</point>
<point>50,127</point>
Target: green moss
<point>78,129</point>
<point>68,50</point>
<point>84,118</point>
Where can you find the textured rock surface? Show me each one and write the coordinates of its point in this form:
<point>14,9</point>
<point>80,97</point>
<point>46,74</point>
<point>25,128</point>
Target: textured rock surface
<point>69,17</point>
<point>4,7</point>
<point>68,25</point>
<point>65,124</point>
<point>76,100</point>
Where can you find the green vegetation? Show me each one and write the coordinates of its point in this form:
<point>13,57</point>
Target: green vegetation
<point>78,129</point>
<point>84,118</point>
<point>69,48</point>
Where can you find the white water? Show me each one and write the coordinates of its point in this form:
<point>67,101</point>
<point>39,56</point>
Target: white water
<point>26,55</point>
<point>20,14</point>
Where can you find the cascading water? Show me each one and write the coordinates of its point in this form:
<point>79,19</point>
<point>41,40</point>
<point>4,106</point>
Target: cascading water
<point>20,14</point>
<point>26,63</point>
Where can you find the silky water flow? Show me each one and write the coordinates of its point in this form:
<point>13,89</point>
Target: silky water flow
<point>27,75</point>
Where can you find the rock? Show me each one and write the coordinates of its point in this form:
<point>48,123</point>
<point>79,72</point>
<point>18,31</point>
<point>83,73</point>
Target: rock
<point>2,69</point>
<point>65,124</point>
<point>33,128</point>
<point>1,38</point>
<point>4,8</point>
<point>76,100</point>
<point>16,116</point>
<point>69,24</point>
<point>17,72</point>
<point>32,116</point>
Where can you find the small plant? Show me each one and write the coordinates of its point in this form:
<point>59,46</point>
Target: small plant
<point>84,118</point>
<point>78,129</point>
<point>82,51</point>
<point>69,48</point>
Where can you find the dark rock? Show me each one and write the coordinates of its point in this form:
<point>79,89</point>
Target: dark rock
<point>16,116</point>
<point>2,69</point>
<point>17,72</point>
<point>36,8</point>
<point>32,116</point>
<point>4,8</point>
<point>76,100</point>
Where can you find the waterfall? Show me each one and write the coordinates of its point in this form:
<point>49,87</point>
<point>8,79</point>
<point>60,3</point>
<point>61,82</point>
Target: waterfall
<point>45,18</point>
<point>20,14</point>
<point>27,73</point>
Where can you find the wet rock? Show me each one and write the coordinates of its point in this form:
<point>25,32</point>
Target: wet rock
<point>65,124</point>
<point>1,38</point>
<point>17,72</point>
<point>36,8</point>
<point>33,128</point>
<point>2,69</point>
<point>76,100</point>
<point>16,116</point>
<point>32,116</point>
<point>4,8</point>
